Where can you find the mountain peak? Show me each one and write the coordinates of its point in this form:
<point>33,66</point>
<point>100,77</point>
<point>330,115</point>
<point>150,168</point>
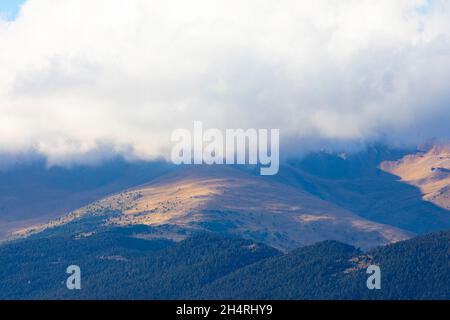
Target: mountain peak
<point>233,202</point>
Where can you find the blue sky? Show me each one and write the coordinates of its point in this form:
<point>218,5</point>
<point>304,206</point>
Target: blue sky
<point>10,8</point>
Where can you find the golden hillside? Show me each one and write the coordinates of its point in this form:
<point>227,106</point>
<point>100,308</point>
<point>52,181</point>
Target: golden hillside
<point>230,201</point>
<point>429,171</point>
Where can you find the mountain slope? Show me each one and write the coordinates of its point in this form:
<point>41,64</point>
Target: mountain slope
<point>429,171</point>
<point>117,265</point>
<point>311,272</point>
<point>32,193</point>
<point>232,202</point>
<point>356,183</point>
<point>413,269</point>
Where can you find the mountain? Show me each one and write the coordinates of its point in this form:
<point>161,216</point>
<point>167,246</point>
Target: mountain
<point>228,201</point>
<point>428,170</point>
<point>117,265</point>
<point>413,269</point>
<point>152,231</point>
<point>32,193</point>
<point>357,183</point>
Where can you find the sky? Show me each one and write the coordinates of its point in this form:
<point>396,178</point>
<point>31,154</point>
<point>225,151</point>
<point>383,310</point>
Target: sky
<point>83,80</point>
<point>10,8</point>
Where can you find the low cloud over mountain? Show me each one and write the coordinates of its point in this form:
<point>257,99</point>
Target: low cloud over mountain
<point>83,80</point>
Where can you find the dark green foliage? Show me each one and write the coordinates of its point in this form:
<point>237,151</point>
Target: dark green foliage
<point>305,273</point>
<point>117,265</point>
<point>414,269</point>
<point>35,268</point>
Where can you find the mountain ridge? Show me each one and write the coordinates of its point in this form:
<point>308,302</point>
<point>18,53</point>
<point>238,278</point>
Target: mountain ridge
<point>230,201</point>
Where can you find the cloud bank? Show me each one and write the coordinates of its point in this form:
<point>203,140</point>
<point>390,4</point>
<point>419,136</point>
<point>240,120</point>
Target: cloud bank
<point>81,79</point>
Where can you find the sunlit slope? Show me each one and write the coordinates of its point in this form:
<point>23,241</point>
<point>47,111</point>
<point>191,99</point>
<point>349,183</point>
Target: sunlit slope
<point>32,193</point>
<point>356,182</point>
<point>429,171</point>
<point>230,201</point>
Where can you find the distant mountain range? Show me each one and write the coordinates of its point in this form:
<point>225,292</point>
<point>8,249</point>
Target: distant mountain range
<point>226,232</point>
<point>232,202</point>
<point>321,197</point>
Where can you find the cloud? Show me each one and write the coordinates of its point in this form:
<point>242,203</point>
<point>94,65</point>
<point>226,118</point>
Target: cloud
<point>79,75</point>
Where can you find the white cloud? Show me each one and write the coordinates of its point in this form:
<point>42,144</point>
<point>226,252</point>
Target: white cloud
<point>79,75</point>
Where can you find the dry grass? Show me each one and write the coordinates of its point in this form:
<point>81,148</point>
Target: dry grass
<point>429,171</point>
<point>239,203</point>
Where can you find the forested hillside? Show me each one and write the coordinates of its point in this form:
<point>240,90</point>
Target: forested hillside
<point>413,269</point>
<point>117,265</point>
